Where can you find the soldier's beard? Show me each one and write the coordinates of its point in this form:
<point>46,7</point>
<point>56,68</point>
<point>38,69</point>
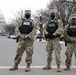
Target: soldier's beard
<point>27,16</point>
<point>73,23</point>
<point>52,17</point>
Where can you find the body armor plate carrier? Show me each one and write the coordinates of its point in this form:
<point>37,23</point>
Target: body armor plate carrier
<point>71,30</point>
<point>51,28</point>
<point>26,27</point>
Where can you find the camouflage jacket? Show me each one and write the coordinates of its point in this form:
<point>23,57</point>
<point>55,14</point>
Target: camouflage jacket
<point>30,35</point>
<point>67,37</point>
<point>58,31</point>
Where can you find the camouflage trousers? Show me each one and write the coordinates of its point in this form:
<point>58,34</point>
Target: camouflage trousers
<point>24,45</point>
<point>53,44</point>
<point>71,47</point>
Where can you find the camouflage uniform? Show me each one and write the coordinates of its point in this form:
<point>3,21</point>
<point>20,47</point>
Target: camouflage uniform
<point>71,44</point>
<point>26,41</point>
<point>53,44</point>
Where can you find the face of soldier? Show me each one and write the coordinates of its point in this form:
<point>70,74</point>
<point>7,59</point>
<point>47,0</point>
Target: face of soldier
<point>74,21</point>
<point>52,15</point>
<point>27,15</point>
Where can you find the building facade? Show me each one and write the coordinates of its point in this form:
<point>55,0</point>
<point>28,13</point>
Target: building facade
<point>2,23</point>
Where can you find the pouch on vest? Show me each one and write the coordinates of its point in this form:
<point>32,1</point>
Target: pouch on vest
<point>26,27</point>
<point>51,28</point>
<point>71,30</point>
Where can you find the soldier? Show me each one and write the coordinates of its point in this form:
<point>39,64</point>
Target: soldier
<point>53,28</point>
<point>70,36</point>
<point>26,30</point>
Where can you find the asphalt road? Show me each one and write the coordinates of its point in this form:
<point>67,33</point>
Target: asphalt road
<point>8,52</point>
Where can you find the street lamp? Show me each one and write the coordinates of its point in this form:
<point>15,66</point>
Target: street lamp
<point>41,29</point>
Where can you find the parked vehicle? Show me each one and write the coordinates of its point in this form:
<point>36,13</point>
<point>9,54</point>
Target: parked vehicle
<point>12,36</point>
<point>39,36</point>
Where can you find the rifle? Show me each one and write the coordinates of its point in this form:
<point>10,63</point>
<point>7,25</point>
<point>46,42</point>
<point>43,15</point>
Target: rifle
<point>63,38</point>
<point>17,39</point>
<point>65,42</point>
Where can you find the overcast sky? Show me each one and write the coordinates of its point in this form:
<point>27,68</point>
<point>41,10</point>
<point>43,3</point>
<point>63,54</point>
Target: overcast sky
<point>9,7</point>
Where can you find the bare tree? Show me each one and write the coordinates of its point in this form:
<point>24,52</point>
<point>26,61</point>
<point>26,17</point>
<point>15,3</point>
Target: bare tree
<point>65,8</point>
<point>9,29</point>
<point>18,16</point>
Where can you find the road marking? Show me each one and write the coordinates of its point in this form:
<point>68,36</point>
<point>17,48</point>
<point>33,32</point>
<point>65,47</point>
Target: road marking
<point>7,67</point>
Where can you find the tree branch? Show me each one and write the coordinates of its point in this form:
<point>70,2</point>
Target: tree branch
<point>74,2</point>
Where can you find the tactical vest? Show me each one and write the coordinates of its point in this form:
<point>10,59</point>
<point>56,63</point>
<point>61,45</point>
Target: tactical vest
<point>71,30</point>
<point>51,28</point>
<point>26,27</point>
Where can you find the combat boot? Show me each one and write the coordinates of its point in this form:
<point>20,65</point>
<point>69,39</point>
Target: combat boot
<point>15,67</point>
<point>27,68</point>
<point>67,68</point>
<point>58,68</point>
<point>47,67</point>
